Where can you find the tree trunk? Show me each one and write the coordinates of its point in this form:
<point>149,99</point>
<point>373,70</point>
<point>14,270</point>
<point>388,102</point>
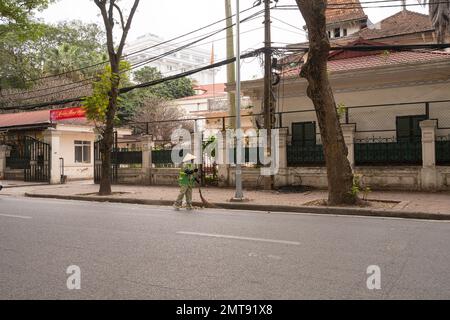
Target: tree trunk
<point>105,149</point>
<point>339,171</point>
<point>108,134</point>
<point>439,12</point>
<point>114,57</point>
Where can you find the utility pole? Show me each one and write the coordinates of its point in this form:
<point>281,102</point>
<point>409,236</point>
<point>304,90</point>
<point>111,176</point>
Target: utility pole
<point>231,74</point>
<point>268,100</point>
<point>239,196</point>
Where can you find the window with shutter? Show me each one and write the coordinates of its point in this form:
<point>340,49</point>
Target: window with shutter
<point>304,133</point>
<point>408,128</point>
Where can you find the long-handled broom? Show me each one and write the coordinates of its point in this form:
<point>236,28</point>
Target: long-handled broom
<point>206,204</point>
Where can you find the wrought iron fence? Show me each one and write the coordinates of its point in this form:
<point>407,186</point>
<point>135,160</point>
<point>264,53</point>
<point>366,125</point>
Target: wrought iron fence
<point>443,150</point>
<point>376,117</point>
<point>16,158</point>
<point>368,118</point>
<point>125,157</point>
<point>250,156</point>
<point>163,157</point>
<point>376,129</point>
<point>98,161</point>
<point>305,155</point>
<point>387,151</point>
<point>31,155</point>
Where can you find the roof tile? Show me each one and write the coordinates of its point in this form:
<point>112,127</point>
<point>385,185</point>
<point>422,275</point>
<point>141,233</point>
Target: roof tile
<point>209,91</point>
<point>24,118</point>
<point>344,10</point>
<point>378,60</point>
<point>403,22</point>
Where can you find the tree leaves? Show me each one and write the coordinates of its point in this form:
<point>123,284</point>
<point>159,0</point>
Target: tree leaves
<point>48,50</point>
<point>174,89</point>
<point>97,104</point>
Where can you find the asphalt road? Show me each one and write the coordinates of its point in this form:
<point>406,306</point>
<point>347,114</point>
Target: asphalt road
<point>143,252</point>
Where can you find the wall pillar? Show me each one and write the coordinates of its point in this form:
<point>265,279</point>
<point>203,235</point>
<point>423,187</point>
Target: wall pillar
<point>147,147</point>
<point>197,147</point>
<point>348,130</point>
<point>53,137</point>
<point>281,178</point>
<point>429,175</point>
<point>4,152</point>
<point>223,166</point>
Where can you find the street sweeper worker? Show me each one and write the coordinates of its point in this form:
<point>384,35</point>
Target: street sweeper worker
<point>186,181</point>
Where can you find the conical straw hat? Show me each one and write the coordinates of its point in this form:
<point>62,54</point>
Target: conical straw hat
<point>188,157</point>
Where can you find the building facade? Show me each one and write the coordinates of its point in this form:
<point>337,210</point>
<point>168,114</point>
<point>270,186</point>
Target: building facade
<point>210,105</point>
<point>345,18</point>
<point>36,148</point>
<point>386,101</point>
<point>404,27</point>
<point>177,62</point>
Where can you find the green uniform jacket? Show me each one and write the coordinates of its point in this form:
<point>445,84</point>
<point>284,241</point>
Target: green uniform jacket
<point>186,177</point>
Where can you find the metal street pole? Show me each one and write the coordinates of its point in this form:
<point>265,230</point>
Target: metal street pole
<point>239,194</point>
<point>268,114</point>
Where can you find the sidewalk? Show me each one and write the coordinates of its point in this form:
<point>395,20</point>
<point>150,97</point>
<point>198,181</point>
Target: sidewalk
<point>17,184</point>
<point>395,204</point>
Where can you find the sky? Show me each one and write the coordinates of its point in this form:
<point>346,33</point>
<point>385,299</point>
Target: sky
<point>170,18</point>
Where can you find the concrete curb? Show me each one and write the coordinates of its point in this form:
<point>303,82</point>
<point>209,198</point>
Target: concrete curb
<point>23,185</point>
<point>266,208</point>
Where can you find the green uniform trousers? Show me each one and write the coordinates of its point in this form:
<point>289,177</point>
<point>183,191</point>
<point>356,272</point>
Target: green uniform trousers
<point>184,191</point>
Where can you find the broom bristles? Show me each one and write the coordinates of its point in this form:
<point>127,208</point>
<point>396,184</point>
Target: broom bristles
<point>206,204</point>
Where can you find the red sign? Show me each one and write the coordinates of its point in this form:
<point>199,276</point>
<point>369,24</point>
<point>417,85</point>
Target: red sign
<point>69,113</point>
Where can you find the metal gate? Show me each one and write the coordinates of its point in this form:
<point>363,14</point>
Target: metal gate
<point>38,154</point>
<point>208,168</point>
<point>31,155</point>
<point>98,161</point>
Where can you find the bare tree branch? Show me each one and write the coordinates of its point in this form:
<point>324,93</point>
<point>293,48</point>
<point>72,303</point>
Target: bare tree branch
<point>109,32</point>
<point>127,28</point>
<point>122,22</point>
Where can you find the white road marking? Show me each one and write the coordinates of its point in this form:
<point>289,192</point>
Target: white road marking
<point>295,243</point>
<point>14,216</point>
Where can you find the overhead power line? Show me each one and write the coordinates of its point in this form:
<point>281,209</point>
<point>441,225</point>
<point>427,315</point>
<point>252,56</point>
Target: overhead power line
<point>287,30</point>
<point>343,6</point>
<point>305,49</point>
<point>142,85</point>
<point>255,15</point>
<point>372,48</point>
<point>81,83</point>
<point>232,60</point>
<point>290,25</point>
<point>142,50</point>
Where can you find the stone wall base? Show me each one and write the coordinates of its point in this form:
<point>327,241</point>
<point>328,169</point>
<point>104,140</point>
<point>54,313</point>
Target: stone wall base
<point>14,174</point>
<point>377,178</point>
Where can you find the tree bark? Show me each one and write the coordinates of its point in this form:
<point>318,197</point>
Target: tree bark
<point>439,12</point>
<point>339,171</point>
<point>108,134</point>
